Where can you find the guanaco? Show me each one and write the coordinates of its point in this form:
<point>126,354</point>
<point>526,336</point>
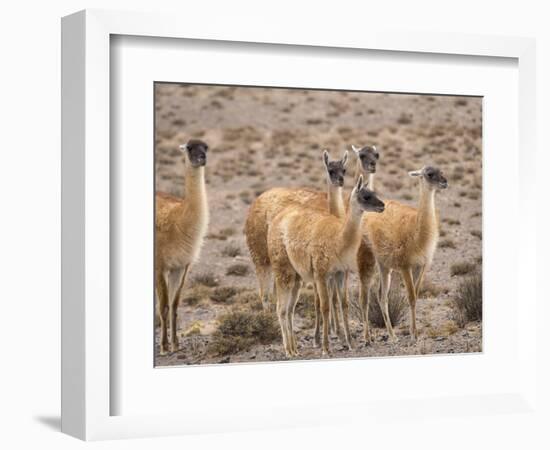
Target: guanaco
<point>405,239</point>
<point>180,225</point>
<point>312,245</point>
<point>271,202</point>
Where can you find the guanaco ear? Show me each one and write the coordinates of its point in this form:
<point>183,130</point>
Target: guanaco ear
<point>355,149</point>
<point>415,173</point>
<point>359,184</point>
<point>325,158</point>
<point>183,147</point>
<point>345,158</point>
<point>376,153</point>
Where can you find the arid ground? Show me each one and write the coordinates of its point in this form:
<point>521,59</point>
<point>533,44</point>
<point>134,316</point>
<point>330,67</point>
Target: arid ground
<point>260,138</point>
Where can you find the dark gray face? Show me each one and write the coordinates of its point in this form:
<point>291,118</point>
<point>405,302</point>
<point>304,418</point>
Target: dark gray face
<point>368,200</point>
<point>196,152</point>
<point>336,170</point>
<point>434,177</point>
<point>368,157</point>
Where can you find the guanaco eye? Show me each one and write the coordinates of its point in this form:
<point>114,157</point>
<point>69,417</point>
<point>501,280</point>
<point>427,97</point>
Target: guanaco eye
<point>344,171</point>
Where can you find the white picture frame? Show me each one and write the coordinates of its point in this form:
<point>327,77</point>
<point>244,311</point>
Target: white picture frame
<point>87,384</point>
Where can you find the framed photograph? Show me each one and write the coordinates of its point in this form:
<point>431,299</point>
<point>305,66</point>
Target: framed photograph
<point>265,228</point>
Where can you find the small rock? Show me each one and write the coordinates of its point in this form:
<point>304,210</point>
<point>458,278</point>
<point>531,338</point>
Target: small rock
<point>224,360</point>
<point>440,338</point>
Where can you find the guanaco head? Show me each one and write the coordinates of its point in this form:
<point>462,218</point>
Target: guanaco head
<point>368,157</point>
<point>364,198</point>
<point>336,170</point>
<point>195,152</point>
<point>432,177</point>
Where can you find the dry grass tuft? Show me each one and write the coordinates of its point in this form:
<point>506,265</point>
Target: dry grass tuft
<point>430,289</point>
<point>397,306</point>
<point>223,294</point>
<point>462,268</point>
<point>469,300</point>
<point>238,270</point>
<point>205,279</point>
<point>240,330</point>
<point>249,297</point>
<point>194,295</point>
<point>447,243</point>
<point>231,251</point>
<point>476,233</point>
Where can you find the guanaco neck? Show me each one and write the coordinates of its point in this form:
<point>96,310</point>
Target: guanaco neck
<point>368,176</point>
<point>351,228</point>
<point>335,202</point>
<point>195,192</point>
<point>426,222</point>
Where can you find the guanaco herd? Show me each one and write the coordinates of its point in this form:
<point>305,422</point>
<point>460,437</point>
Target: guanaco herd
<point>297,236</point>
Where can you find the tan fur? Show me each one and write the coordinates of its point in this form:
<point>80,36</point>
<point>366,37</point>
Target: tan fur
<point>404,239</point>
<point>310,245</point>
<point>180,225</point>
<point>272,202</point>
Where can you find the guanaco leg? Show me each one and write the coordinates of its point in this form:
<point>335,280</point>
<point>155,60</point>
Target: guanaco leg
<point>341,287</point>
<point>322,290</point>
<point>162,308</point>
<point>385,283</point>
<point>175,282</point>
<point>334,317</point>
<point>409,284</point>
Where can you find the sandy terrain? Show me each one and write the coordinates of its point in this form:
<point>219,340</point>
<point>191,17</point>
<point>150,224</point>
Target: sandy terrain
<point>261,138</point>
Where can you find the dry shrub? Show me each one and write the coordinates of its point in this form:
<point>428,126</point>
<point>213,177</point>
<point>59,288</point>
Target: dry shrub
<point>457,173</point>
<point>223,294</point>
<point>305,307</point>
<point>231,250</point>
<point>476,233</point>
<point>240,330</point>
<point>469,300</point>
<point>447,243</point>
<point>397,306</point>
<point>238,270</point>
<point>447,329</point>
<point>451,221</point>
<point>249,297</point>
<point>194,295</point>
<point>205,279</point>
<point>462,268</point>
<point>404,119</point>
<point>430,289</point>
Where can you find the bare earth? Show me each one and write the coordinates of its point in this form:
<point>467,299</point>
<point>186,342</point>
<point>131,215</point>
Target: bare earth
<point>260,138</point>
